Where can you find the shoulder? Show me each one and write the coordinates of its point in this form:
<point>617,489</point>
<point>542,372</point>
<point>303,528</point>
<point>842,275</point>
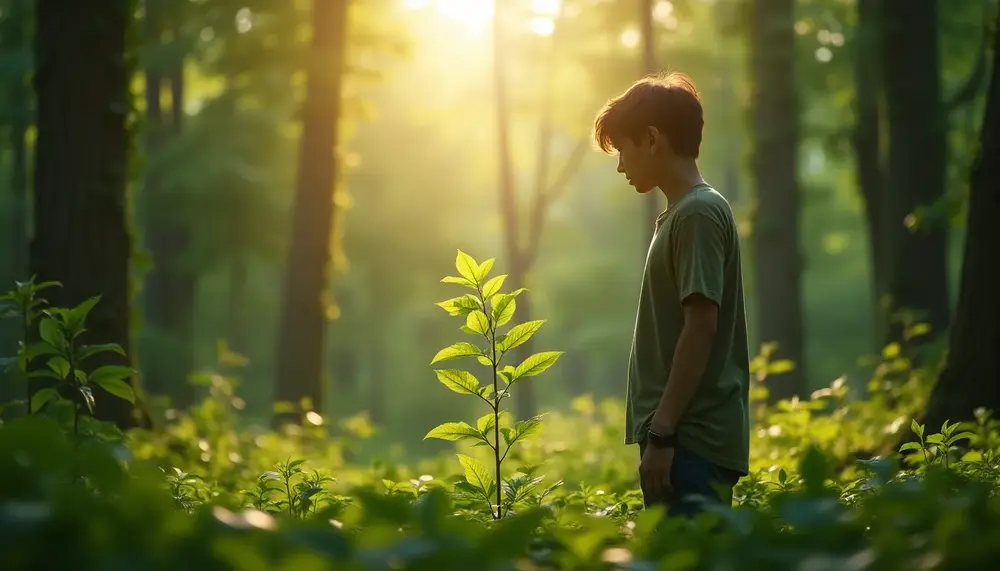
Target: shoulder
<point>707,205</point>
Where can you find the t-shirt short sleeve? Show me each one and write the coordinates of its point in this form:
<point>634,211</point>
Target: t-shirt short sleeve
<point>699,256</point>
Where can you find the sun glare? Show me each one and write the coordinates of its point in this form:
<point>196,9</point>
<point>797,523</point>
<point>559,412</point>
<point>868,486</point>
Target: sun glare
<point>473,13</point>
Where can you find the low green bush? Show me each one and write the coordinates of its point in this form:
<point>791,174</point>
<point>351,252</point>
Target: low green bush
<point>208,492</point>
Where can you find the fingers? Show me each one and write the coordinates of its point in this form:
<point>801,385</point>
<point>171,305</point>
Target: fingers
<point>654,482</point>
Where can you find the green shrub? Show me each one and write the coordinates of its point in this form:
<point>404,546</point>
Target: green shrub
<point>208,492</point>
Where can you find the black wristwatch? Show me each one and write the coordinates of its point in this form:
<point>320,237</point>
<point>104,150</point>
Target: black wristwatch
<point>657,440</point>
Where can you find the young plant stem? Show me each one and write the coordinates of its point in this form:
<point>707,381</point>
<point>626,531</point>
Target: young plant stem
<point>496,412</point>
<point>25,321</point>
<point>72,379</point>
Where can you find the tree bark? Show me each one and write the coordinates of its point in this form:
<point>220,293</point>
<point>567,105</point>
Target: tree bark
<point>775,125</point>
<point>81,231</point>
<point>303,324</point>
<point>971,376</point>
<point>15,40</point>
<point>917,123</point>
<point>866,142</point>
<point>170,288</point>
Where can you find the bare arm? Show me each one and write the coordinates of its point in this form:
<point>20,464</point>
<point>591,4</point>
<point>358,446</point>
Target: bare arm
<point>694,345</point>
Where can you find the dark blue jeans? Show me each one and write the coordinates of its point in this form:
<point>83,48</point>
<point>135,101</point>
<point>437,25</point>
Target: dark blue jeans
<point>693,480</point>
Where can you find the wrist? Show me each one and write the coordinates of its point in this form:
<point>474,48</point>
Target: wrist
<point>661,440</point>
<point>662,427</point>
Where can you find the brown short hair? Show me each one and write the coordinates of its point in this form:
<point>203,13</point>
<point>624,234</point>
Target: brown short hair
<point>670,103</point>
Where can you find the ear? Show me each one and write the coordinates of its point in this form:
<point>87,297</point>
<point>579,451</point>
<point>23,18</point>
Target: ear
<point>655,139</point>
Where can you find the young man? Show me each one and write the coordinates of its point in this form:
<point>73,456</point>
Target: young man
<point>689,370</point>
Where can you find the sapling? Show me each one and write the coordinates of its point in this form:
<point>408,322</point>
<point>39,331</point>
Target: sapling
<point>59,330</point>
<point>486,310</point>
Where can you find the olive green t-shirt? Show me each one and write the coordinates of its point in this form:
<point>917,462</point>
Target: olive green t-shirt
<point>695,250</point>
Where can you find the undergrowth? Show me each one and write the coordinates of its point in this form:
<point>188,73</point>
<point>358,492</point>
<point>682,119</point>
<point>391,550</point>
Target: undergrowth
<point>828,489</point>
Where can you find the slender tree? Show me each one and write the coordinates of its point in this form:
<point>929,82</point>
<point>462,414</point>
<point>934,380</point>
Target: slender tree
<point>775,143</point>
<point>301,343</point>
<point>917,279</point>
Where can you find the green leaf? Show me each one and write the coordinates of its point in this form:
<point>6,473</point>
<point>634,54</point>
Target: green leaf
<point>49,331</point>
<point>477,322</point>
<point>457,351</point>
<point>117,387</point>
<point>535,364</point>
<point>59,366</point>
<point>459,281</point>
<point>110,372</point>
<point>41,397</point>
<point>466,266</point>
<point>910,446</point>
<point>491,287</point>
<point>482,270</point>
<point>503,309</point>
<point>88,351</point>
<point>486,422</point>
<point>462,382</point>
<point>38,349</point>
<point>519,334</point>
<point>961,436</point>
<point>453,431</point>
<point>780,366</point>
<point>461,305</point>
<point>76,317</point>
<point>916,428</point>
<point>476,473</point>
<point>523,429</point>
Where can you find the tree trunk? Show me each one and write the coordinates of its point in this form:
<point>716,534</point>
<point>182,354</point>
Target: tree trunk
<point>301,344</point>
<point>170,288</point>
<point>775,125</point>
<point>15,41</point>
<point>81,235</point>
<point>237,304</point>
<point>525,394</point>
<point>918,278</point>
<point>866,142</point>
<point>971,376</point>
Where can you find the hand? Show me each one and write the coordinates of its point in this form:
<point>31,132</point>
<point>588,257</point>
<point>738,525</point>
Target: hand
<point>654,471</point>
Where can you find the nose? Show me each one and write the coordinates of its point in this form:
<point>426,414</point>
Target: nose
<point>621,165</point>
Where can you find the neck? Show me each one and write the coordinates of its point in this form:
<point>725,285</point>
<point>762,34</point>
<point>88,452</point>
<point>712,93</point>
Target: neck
<point>679,178</point>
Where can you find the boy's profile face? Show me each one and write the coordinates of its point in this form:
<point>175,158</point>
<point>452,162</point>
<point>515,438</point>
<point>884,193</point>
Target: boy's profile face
<point>637,160</point>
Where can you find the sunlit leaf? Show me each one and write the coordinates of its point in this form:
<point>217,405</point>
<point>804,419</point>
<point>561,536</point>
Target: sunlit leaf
<point>456,351</point>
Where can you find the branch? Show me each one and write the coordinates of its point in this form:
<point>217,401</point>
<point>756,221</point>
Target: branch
<point>976,80</point>
<point>545,197</point>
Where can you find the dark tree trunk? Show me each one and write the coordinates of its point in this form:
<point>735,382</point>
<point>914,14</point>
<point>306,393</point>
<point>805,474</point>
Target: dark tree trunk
<point>775,126</point>
<point>868,154</point>
<point>15,40</point>
<point>237,304</point>
<point>302,331</point>
<point>971,376</point>
<point>170,288</point>
<point>81,234</point>
<point>918,276</point>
